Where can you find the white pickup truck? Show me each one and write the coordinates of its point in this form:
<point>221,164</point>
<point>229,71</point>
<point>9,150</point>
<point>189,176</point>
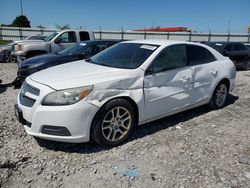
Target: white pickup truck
<point>53,43</point>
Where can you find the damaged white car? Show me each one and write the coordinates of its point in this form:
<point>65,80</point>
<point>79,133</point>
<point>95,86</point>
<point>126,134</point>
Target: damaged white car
<point>103,98</point>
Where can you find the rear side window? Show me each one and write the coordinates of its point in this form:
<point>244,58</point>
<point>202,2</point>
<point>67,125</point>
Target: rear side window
<point>198,55</point>
<point>172,57</point>
<point>84,35</point>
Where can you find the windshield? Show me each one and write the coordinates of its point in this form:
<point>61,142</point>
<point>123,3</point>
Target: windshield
<point>50,37</point>
<point>73,50</point>
<point>124,55</point>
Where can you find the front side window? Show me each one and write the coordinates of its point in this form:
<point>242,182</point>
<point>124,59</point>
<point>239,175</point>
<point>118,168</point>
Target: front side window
<point>68,37</point>
<point>199,55</point>
<point>229,47</point>
<point>93,50</point>
<point>171,58</point>
<point>124,55</point>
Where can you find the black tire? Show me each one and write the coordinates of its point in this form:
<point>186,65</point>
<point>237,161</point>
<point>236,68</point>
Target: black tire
<point>246,67</point>
<point>99,133</point>
<point>220,94</point>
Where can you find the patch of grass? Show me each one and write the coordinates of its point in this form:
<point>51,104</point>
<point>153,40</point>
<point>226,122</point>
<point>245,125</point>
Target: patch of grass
<point>3,42</point>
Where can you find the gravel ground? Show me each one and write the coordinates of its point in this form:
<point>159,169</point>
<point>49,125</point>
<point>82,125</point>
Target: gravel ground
<point>197,148</point>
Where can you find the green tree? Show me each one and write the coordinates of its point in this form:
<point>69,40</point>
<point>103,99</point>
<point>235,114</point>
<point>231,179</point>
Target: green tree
<point>21,21</point>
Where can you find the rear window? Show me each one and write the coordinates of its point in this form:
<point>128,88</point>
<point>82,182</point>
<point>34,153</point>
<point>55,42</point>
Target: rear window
<point>199,55</point>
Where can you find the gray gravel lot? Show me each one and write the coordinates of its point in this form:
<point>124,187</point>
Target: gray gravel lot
<point>197,148</point>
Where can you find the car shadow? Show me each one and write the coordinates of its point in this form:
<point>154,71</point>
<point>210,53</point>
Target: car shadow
<point>140,132</point>
<point>2,88</point>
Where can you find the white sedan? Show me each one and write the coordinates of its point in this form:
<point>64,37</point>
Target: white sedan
<point>103,98</point>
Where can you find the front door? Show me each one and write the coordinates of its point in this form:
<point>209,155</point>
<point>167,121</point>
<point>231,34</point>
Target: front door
<point>167,82</point>
<point>65,40</point>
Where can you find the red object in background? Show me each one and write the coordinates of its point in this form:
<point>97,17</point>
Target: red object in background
<point>165,29</point>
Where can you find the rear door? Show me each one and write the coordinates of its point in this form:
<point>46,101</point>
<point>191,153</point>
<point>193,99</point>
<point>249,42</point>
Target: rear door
<point>204,72</point>
<point>167,82</point>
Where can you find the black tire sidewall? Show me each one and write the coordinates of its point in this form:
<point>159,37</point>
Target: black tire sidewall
<point>96,127</point>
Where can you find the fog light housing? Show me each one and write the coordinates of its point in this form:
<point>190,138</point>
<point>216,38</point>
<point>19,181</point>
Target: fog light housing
<point>55,130</point>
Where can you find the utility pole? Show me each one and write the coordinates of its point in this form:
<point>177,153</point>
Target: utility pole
<point>21,2</point>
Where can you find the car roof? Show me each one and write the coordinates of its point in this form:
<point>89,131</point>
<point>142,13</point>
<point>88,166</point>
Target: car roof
<point>224,43</point>
<point>162,42</point>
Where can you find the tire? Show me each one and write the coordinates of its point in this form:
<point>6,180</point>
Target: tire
<point>113,123</point>
<point>246,67</point>
<point>219,97</point>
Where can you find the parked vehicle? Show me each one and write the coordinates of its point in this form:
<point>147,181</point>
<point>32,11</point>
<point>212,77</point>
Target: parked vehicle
<point>5,50</point>
<point>247,45</point>
<point>104,97</point>
<point>53,43</point>
<point>236,51</point>
<point>78,51</point>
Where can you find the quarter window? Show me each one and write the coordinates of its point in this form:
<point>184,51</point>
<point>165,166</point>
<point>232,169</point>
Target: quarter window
<point>171,58</point>
<point>198,55</point>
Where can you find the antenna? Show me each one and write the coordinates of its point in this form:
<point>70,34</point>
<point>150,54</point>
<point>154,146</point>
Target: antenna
<point>21,2</point>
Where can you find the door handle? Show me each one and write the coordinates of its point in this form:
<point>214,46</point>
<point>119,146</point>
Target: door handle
<point>214,72</point>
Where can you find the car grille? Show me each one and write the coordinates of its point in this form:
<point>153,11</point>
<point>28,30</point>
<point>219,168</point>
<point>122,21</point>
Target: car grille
<point>24,100</point>
<point>30,89</point>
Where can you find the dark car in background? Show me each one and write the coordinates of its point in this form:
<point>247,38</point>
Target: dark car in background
<point>236,51</point>
<point>82,50</point>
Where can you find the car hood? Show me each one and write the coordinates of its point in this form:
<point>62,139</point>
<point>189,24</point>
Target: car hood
<point>30,42</point>
<point>78,74</point>
<point>43,59</point>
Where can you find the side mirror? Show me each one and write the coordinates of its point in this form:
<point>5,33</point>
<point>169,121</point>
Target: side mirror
<point>57,40</point>
<point>82,55</point>
<point>150,71</point>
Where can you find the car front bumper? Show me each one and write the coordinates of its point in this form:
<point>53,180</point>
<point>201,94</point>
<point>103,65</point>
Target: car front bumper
<point>76,118</point>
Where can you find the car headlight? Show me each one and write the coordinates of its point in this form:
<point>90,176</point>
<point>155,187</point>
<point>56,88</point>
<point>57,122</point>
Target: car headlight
<point>67,96</point>
<point>32,66</point>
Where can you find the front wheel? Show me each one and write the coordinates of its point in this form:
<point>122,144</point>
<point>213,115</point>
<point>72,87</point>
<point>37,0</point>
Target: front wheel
<point>113,123</point>
<point>219,97</point>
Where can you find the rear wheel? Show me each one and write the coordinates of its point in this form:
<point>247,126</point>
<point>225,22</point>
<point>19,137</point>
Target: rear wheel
<point>219,97</point>
<point>113,123</point>
<point>247,64</point>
